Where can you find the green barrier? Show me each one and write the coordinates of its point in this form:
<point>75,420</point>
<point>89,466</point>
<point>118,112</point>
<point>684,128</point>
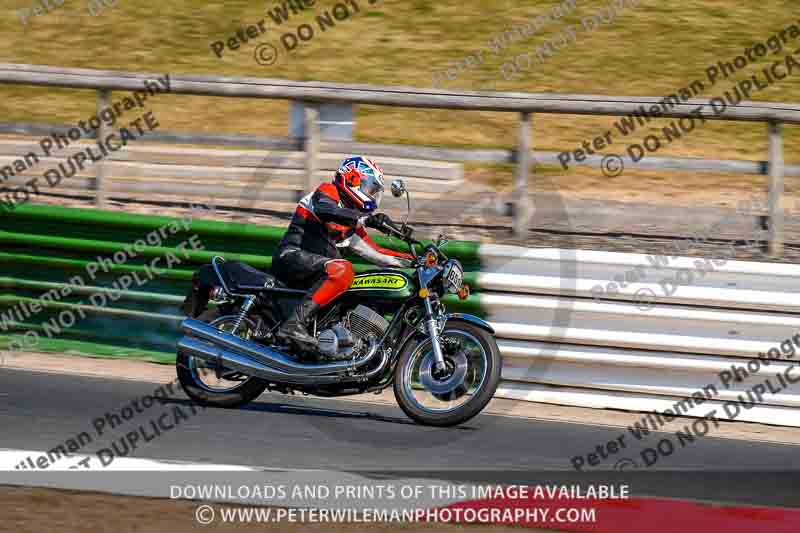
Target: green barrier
<point>84,224</point>
<point>44,247</point>
<point>45,215</point>
<point>85,290</point>
<point>92,349</point>
<point>108,248</point>
<point>86,309</point>
<point>159,338</point>
<point>25,263</point>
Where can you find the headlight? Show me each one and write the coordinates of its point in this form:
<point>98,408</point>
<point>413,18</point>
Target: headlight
<point>453,276</point>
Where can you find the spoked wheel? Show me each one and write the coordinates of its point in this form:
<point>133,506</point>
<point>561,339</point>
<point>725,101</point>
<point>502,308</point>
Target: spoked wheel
<point>207,384</point>
<point>460,391</point>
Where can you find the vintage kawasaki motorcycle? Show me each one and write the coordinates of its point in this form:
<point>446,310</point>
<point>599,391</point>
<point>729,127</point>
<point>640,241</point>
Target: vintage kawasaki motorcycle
<point>388,328</point>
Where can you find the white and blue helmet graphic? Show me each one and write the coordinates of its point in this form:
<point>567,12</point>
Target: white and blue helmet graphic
<point>361,180</point>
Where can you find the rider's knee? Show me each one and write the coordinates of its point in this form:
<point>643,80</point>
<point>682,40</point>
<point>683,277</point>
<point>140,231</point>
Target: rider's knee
<point>341,271</point>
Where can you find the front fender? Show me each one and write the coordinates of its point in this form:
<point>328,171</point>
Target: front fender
<point>472,319</point>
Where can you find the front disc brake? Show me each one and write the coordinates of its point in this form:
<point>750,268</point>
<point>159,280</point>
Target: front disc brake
<point>456,364</point>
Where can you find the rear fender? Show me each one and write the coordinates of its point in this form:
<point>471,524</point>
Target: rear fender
<point>196,300</point>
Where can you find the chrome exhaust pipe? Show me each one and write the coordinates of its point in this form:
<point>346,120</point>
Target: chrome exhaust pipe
<point>248,366</point>
<point>268,357</point>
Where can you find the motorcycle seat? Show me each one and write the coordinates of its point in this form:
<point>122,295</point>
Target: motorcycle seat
<point>242,278</point>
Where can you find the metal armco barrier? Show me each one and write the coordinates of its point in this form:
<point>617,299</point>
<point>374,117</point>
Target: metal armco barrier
<point>619,352</point>
<point>612,351</point>
<point>772,114</point>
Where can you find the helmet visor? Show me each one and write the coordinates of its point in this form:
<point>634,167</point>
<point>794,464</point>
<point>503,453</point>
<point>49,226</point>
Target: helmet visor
<point>372,188</point>
<point>377,197</point>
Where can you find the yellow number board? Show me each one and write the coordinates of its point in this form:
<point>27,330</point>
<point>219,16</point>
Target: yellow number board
<point>379,281</point>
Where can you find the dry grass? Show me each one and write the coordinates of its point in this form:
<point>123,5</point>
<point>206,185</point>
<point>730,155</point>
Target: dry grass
<point>650,50</point>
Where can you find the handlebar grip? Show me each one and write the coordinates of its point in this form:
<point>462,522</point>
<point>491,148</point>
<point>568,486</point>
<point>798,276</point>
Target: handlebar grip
<point>404,234</point>
<point>390,228</point>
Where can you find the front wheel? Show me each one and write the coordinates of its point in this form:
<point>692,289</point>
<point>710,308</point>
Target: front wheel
<point>470,379</point>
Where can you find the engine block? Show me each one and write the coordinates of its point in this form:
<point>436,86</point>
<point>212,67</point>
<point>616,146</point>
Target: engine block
<point>365,323</point>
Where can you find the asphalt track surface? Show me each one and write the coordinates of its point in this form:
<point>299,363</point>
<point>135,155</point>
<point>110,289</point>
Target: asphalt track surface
<point>39,411</point>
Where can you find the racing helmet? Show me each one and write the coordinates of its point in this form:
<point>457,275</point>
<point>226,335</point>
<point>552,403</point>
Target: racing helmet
<point>360,183</point>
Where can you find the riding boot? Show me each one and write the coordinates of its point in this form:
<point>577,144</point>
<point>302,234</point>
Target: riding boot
<point>295,327</point>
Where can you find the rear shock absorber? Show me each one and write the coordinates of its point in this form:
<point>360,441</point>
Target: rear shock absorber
<point>246,306</point>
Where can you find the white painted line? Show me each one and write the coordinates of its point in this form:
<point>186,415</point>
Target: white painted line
<point>10,460</point>
<point>231,484</point>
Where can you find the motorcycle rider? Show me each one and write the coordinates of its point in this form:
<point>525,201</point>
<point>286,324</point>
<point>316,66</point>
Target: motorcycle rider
<point>329,220</point>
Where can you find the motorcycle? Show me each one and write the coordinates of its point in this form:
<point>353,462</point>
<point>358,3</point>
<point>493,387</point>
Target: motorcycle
<point>388,329</point>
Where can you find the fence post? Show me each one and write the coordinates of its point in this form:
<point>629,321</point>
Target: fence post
<point>522,208</point>
<point>775,189</point>
<point>103,102</point>
<point>311,143</point>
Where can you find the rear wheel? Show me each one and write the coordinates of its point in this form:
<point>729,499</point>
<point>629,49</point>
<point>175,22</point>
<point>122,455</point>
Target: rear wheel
<point>207,385</point>
<point>469,381</point>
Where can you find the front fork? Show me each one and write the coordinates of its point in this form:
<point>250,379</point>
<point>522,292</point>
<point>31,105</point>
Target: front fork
<point>433,333</point>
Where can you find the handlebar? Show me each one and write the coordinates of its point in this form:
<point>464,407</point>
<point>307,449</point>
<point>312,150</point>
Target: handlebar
<point>406,235</point>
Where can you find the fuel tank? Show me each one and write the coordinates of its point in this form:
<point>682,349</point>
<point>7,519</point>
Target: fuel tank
<point>382,285</point>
